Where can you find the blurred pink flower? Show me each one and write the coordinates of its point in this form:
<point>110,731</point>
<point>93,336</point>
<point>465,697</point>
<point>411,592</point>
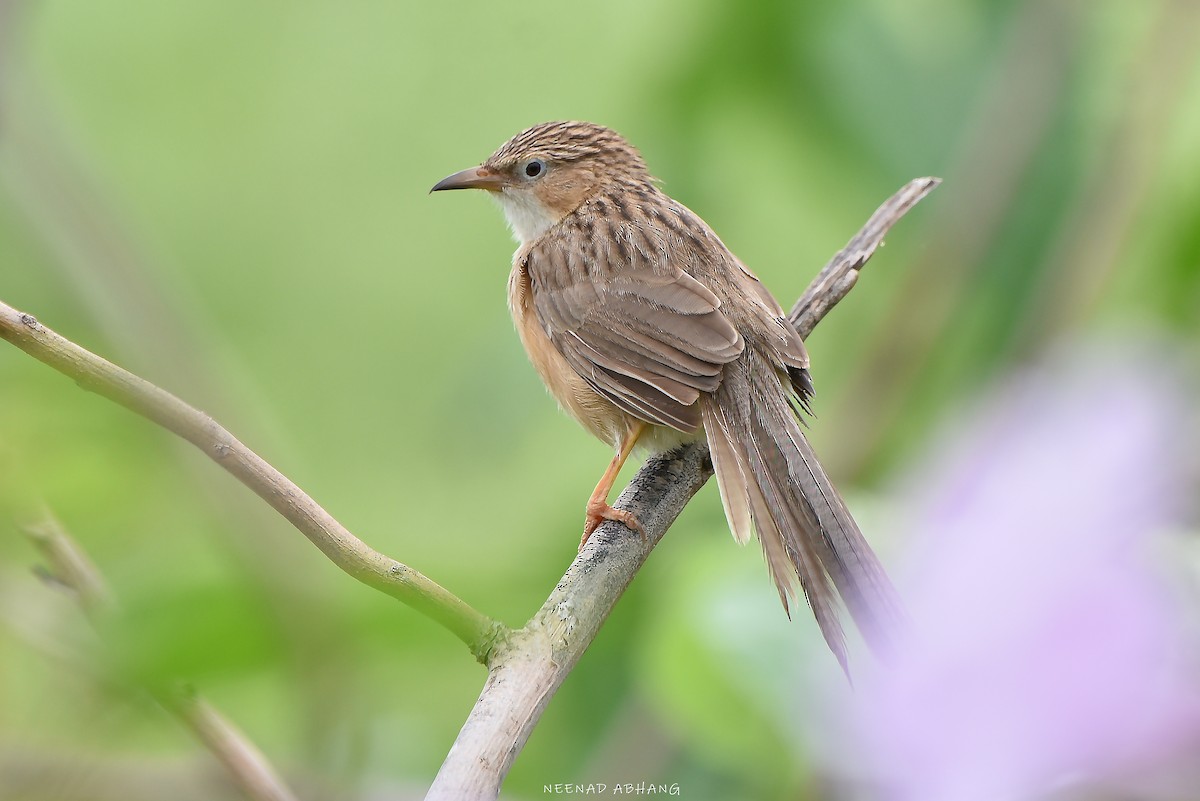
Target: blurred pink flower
<point>1050,652</point>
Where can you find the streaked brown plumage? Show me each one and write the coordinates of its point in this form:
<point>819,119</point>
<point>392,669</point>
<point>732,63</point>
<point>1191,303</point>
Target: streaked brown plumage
<point>648,330</point>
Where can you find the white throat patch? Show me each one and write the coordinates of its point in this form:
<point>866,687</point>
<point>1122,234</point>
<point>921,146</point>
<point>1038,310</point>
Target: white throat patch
<point>527,218</point>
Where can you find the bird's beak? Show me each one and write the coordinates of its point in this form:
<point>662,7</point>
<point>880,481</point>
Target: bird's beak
<point>473,178</point>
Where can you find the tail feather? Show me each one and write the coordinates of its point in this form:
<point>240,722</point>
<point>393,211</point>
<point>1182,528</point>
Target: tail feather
<point>731,479</point>
<point>770,484</point>
<point>765,466</point>
<point>823,517</point>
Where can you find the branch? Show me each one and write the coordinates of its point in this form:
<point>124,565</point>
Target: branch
<point>236,753</point>
<point>345,550</point>
<point>527,669</point>
<point>69,567</point>
<point>839,276</point>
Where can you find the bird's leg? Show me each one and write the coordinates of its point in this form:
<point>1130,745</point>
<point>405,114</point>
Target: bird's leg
<point>598,509</point>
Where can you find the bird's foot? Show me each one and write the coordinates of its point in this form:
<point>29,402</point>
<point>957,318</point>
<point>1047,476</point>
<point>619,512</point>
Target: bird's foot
<point>598,512</point>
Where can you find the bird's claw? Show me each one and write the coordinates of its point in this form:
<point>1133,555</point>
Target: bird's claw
<point>597,513</point>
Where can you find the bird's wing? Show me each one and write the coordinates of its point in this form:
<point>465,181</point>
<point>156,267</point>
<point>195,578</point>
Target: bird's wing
<point>637,328</point>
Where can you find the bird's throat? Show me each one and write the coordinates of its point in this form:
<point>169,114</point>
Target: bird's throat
<point>527,216</point>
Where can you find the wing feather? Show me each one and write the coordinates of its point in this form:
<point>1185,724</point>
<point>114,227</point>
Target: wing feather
<point>640,330</point>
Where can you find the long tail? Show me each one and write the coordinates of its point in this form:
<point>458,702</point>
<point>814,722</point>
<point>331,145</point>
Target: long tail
<point>769,476</point>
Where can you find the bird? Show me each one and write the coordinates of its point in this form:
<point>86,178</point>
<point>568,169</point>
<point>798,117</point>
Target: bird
<point>649,332</point>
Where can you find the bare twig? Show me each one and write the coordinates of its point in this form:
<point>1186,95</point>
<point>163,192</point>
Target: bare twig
<point>527,669</point>
<point>839,276</point>
<point>344,549</point>
<point>69,567</point>
<point>236,753</point>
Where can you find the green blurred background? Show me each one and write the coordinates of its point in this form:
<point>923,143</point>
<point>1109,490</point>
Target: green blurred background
<point>230,199</point>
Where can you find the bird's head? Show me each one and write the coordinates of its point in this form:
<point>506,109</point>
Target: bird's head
<point>548,171</point>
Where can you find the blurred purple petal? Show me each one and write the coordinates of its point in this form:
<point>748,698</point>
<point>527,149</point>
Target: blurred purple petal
<point>1049,648</point>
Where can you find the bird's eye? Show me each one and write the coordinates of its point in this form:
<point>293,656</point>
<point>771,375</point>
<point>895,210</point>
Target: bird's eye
<point>535,168</point>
